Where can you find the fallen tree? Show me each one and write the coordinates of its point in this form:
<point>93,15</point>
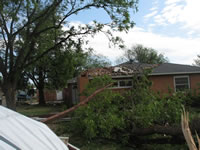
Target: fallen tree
<point>167,130</point>
<point>168,134</point>
<point>135,118</point>
<point>64,113</point>
<point>187,132</point>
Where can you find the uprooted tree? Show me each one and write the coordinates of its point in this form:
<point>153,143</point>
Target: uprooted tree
<point>138,116</point>
<point>24,21</point>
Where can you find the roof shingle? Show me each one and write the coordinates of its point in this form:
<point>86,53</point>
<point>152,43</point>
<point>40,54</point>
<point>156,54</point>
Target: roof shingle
<point>131,68</point>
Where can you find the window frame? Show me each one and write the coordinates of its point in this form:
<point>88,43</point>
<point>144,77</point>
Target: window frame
<point>122,87</point>
<point>185,76</point>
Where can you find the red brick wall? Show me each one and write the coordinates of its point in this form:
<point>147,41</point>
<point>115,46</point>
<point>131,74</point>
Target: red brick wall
<point>50,95</point>
<point>194,81</point>
<point>159,83</point>
<point>162,83</point>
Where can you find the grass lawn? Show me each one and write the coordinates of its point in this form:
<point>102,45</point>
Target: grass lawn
<point>36,110</point>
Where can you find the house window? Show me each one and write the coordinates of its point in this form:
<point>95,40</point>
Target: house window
<point>181,83</point>
<point>122,84</point>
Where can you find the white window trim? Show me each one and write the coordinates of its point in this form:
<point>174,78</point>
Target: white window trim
<point>175,77</point>
<point>122,87</point>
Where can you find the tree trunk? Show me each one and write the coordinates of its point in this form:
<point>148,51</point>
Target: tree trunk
<point>41,95</point>
<point>167,130</point>
<point>9,92</point>
<point>41,87</point>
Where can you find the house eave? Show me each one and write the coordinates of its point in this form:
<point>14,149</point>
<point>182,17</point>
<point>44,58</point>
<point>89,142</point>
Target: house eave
<point>153,74</point>
<point>173,73</point>
<point>117,77</point>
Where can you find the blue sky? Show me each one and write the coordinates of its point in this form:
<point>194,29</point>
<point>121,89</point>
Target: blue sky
<point>172,27</point>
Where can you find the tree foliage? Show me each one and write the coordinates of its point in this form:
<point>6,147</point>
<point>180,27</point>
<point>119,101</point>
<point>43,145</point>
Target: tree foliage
<point>25,21</point>
<point>101,116</point>
<point>197,61</point>
<point>97,61</point>
<point>143,54</point>
<point>84,60</point>
<point>113,114</point>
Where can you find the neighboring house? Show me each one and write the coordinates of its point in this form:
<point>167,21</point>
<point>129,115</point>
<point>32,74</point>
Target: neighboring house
<point>72,93</point>
<point>163,76</point>
<point>52,95</point>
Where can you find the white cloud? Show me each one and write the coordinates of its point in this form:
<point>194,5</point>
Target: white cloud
<point>177,49</point>
<point>184,12</point>
<point>153,13</point>
<point>154,8</point>
<point>190,14</point>
<point>172,1</point>
<point>160,20</point>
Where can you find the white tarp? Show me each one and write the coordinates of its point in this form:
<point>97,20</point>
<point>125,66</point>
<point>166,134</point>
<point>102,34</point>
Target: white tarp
<point>18,132</point>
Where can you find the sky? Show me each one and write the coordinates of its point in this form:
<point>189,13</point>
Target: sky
<point>172,27</point>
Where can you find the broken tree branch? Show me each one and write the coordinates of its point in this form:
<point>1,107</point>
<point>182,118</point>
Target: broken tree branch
<point>64,113</point>
<point>187,132</point>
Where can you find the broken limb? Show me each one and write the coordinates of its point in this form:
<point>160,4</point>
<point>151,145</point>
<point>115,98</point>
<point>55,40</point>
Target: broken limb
<point>64,113</point>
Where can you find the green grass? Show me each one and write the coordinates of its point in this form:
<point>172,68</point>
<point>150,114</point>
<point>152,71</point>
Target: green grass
<point>36,110</point>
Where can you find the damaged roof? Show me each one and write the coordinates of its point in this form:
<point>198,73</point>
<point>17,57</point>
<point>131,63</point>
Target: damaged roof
<point>112,71</point>
<point>119,70</point>
<point>131,68</point>
<point>138,67</point>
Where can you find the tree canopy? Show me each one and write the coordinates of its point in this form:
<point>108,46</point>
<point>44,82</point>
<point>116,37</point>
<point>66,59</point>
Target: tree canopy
<point>197,61</point>
<point>142,54</point>
<point>25,21</point>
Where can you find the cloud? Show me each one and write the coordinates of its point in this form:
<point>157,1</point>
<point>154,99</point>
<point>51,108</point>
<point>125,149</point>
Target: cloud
<point>182,12</point>
<point>172,1</point>
<point>153,13</point>
<point>177,49</point>
<point>153,8</point>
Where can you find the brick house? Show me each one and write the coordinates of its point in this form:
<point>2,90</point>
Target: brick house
<point>163,76</point>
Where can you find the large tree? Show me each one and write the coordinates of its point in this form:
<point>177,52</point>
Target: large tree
<point>52,72</point>
<point>55,68</point>
<point>29,17</point>
<point>141,54</point>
